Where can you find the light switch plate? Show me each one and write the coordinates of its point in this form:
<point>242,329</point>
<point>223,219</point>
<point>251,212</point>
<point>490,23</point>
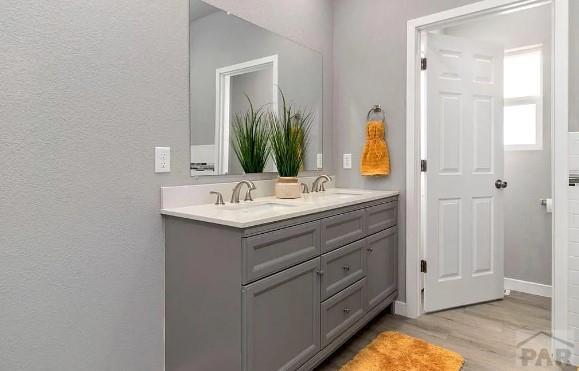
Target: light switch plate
<point>347,161</point>
<point>162,159</point>
<point>320,161</point>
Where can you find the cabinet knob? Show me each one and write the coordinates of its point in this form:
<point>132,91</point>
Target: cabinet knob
<point>320,273</point>
<point>370,249</point>
<point>346,268</point>
<point>346,310</point>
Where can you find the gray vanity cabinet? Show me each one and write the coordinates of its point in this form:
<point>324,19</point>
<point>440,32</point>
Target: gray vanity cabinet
<point>382,257</point>
<point>276,296</point>
<point>281,317</point>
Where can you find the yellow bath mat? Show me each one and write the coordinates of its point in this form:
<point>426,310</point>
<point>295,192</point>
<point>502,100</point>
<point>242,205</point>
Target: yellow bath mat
<point>375,157</point>
<point>393,351</point>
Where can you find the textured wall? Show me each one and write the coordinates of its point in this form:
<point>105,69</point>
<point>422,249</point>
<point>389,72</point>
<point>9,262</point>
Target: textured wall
<point>88,89</point>
<point>527,225</point>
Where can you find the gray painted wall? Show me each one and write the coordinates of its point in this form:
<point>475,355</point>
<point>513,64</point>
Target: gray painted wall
<point>88,89</point>
<point>527,225</point>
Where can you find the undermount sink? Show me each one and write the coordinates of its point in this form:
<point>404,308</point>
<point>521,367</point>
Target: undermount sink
<point>256,207</point>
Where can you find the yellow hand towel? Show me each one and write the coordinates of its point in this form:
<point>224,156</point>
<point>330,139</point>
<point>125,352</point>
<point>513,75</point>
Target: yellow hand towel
<point>375,157</point>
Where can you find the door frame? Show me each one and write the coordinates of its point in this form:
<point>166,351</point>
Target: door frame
<point>559,157</point>
<point>223,100</point>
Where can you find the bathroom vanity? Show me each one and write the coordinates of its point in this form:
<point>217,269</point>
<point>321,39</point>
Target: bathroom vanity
<point>276,285</point>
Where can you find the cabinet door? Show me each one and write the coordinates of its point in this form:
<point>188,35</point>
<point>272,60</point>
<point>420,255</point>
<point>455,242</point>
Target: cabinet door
<point>281,319</point>
<point>382,250</point>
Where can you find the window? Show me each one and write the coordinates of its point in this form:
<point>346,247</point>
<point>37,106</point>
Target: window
<point>523,93</point>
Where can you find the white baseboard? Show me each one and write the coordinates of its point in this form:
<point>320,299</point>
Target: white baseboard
<point>528,287</point>
<point>400,308</point>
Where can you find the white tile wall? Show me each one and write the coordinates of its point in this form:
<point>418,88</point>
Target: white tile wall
<point>573,262</point>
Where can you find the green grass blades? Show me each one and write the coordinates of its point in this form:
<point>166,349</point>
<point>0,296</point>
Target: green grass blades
<point>289,135</point>
<point>250,139</point>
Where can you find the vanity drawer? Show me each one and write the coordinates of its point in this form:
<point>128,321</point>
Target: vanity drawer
<point>342,229</point>
<point>381,217</point>
<point>343,310</point>
<point>342,267</point>
<point>271,252</point>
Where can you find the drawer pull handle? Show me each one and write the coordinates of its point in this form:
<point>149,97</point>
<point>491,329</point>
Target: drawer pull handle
<point>370,249</point>
<point>346,268</point>
<point>347,310</point>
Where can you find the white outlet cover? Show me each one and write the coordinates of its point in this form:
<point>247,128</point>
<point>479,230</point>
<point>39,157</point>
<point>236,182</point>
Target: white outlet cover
<point>162,159</point>
<point>320,161</point>
<point>347,161</point>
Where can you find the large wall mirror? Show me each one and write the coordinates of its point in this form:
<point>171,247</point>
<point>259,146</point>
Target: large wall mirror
<point>234,62</point>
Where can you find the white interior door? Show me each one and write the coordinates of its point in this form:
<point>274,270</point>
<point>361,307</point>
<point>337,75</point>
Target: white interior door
<point>464,238</point>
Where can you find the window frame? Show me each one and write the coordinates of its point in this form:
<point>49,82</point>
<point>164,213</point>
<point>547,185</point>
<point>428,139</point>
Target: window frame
<point>536,100</point>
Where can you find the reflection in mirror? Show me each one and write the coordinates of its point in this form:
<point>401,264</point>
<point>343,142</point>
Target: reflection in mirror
<point>232,60</point>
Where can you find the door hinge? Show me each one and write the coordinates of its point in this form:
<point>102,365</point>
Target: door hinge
<point>423,64</point>
<point>423,266</point>
<point>423,165</point>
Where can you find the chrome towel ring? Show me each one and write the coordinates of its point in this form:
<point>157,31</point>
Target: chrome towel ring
<point>376,109</point>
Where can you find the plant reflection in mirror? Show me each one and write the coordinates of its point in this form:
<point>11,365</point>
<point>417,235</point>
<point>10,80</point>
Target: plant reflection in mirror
<point>289,135</point>
<point>250,139</point>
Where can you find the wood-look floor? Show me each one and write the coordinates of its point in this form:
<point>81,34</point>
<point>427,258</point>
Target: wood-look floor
<point>484,334</point>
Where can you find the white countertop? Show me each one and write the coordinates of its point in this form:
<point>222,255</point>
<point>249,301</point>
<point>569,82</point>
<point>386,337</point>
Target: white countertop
<point>270,209</point>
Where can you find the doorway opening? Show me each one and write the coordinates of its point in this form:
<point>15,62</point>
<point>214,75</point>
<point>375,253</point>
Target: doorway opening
<point>486,189</point>
<point>487,105</point>
<point>258,77</point>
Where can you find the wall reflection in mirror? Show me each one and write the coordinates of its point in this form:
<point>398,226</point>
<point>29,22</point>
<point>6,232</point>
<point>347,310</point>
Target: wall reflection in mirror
<point>234,66</point>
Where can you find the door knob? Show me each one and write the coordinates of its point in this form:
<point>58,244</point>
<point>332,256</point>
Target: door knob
<point>501,184</point>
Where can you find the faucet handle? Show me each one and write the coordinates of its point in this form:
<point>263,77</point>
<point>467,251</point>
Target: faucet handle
<point>248,194</point>
<point>305,188</point>
<point>219,200</point>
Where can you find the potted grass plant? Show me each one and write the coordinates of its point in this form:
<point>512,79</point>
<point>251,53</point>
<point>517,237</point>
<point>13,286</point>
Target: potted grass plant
<point>251,139</point>
<point>289,132</point>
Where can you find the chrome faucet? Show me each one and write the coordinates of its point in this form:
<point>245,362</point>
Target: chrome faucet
<point>318,185</point>
<point>237,189</point>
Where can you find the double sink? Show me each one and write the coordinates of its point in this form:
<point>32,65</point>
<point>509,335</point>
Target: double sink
<point>272,206</point>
